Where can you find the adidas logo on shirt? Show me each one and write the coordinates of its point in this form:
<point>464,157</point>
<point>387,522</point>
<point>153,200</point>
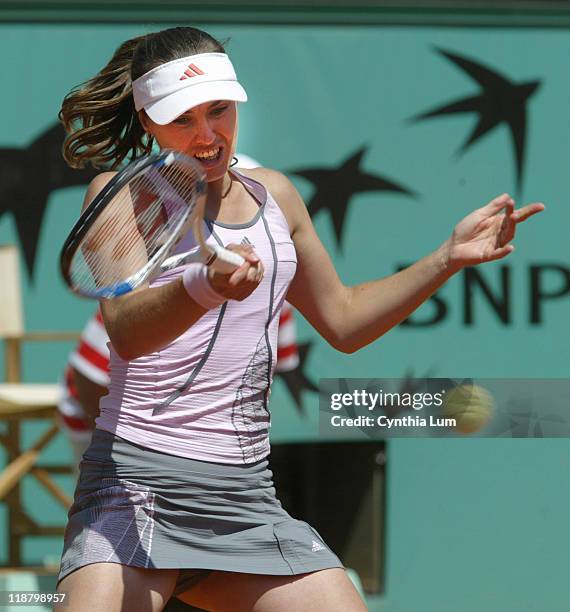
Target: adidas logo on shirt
<point>317,546</point>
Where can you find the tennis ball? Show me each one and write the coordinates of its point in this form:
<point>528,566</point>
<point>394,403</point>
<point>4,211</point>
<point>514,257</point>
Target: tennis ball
<point>470,405</point>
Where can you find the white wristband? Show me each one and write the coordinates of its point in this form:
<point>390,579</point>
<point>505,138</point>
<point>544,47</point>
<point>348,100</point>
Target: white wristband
<point>197,285</point>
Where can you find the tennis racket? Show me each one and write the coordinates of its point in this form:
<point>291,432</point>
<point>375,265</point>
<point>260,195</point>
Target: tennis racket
<point>125,236</point>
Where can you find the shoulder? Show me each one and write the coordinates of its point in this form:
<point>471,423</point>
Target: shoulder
<point>275,182</point>
<point>96,185</point>
<point>283,192</point>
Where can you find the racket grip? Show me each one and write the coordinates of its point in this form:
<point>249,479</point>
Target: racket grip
<point>225,261</point>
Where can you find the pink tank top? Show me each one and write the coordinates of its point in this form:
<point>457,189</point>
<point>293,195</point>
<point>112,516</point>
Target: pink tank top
<point>205,395</point>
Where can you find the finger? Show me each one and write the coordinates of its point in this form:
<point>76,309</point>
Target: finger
<point>242,249</point>
<point>256,273</point>
<point>522,214</point>
<point>251,257</point>
<point>252,275</point>
<point>245,250</point>
<point>245,246</point>
<point>260,269</point>
<point>498,203</point>
<point>239,275</point>
<point>502,252</point>
<point>504,239</point>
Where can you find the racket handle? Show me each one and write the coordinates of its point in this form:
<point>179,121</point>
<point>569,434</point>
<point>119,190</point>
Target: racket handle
<point>219,259</point>
<point>224,261</point>
<point>181,259</point>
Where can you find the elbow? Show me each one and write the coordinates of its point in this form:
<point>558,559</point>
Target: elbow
<point>347,347</point>
<point>338,333</point>
<point>351,343</point>
<point>124,350</point>
<point>126,355</point>
<point>343,344</point>
<point>124,346</point>
<point>123,337</point>
<point>130,345</point>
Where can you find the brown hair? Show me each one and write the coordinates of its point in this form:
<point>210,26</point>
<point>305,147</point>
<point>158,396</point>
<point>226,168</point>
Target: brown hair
<point>99,115</point>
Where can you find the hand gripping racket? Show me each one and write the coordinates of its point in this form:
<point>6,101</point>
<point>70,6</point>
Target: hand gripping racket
<point>126,234</point>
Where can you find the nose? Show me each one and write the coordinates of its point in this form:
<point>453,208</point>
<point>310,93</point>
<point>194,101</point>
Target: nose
<point>205,134</point>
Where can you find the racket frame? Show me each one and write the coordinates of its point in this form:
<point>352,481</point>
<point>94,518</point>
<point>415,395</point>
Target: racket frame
<point>98,204</point>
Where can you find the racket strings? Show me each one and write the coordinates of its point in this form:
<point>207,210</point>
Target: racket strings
<point>135,227</point>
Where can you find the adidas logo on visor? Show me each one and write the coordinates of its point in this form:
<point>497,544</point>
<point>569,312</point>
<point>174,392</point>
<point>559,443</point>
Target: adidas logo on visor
<point>191,71</point>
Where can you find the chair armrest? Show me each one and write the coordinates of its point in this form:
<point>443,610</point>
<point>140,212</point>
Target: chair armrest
<point>46,336</point>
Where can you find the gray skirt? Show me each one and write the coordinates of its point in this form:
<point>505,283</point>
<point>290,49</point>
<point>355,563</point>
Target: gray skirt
<point>142,508</point>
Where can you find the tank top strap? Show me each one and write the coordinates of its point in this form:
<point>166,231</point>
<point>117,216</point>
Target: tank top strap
<point>269,207</point>
<point>255,188</point>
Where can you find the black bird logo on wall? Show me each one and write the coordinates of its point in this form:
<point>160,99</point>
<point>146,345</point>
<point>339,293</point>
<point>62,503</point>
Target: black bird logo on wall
<point>500,101</point>
<point>334,187</point>
<point>27,178</point>
<point>296,380</point>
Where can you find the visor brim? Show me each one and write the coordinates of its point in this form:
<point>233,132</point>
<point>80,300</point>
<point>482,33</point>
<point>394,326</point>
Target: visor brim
<point>166,109</point>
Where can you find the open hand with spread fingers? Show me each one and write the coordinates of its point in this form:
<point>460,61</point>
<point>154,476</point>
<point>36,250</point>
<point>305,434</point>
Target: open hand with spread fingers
<point>486,233</point>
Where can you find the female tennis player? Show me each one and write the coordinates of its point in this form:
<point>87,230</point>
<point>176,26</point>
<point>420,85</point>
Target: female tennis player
<point>175,495</point>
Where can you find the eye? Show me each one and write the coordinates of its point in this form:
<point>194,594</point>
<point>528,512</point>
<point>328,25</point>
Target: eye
<point>220,110</point>
<point>182,120</point>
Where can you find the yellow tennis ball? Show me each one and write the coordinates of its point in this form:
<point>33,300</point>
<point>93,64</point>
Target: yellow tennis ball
<point>470,405</point>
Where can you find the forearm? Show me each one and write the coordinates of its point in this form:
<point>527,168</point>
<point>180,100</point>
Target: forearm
<point>371,309</point>
<point>148,319</point>
<point>352,317</point>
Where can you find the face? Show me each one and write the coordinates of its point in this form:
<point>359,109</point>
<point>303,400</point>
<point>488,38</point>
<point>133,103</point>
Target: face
<point>206,132</point>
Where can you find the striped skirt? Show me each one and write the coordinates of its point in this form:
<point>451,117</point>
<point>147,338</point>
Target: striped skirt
<point>142,508</point>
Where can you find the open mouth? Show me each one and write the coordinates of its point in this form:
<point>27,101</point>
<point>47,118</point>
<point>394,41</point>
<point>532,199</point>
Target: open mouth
<point>211,155</point>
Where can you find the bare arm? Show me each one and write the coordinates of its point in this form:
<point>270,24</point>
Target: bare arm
<point>352,317</point>
<point>148,318</point>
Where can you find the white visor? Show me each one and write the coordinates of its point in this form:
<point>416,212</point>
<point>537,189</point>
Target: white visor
<point>167,91</point>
